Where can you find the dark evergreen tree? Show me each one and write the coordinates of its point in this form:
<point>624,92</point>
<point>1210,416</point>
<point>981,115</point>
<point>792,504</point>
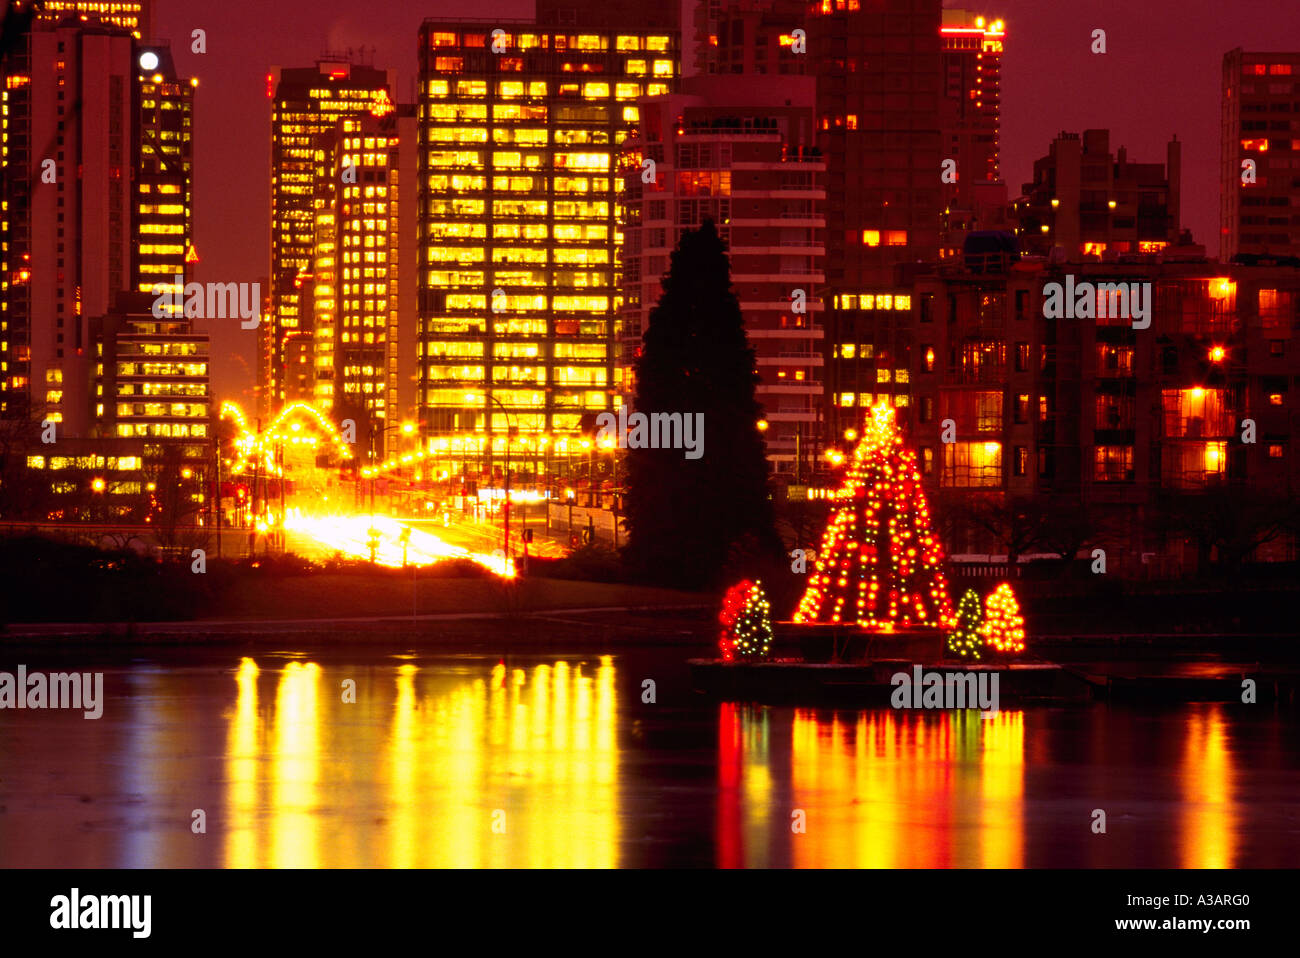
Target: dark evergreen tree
<point>689,520</point>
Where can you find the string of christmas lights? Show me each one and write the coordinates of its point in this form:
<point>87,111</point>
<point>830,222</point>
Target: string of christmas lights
<point>1004,627</point>
<point>965,639</point>
<point>746,619</point>
<point>880,565</point>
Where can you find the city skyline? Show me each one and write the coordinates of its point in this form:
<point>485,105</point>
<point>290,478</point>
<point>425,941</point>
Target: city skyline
<point>232,195</point>
<point>590,434</point>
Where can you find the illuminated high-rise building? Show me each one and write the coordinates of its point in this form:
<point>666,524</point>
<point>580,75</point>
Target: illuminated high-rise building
<point>97,203</point>
<point>739,151</point>
<point>151,379</point>
<point>878,65</point>
<point>164,201</point>
<point>972,98</point>
<point>974,195</point>
<point>520,222</point>
<point>305,103</point>
<point>1260,175</point>
<point>70,138</point>
<point>359,343</point>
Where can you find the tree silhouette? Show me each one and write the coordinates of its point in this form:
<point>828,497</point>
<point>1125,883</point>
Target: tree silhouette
<point>688,520</point>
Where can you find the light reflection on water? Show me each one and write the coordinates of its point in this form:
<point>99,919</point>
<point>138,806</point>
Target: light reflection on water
<point>560,763</point>
<point>516,767</point>
<point>877,789</point>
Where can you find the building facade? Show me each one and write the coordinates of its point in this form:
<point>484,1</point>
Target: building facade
<point>1036,433</point>
<point>152,379</point>
<point>740,153</point>
<point>71,141</point>
<point>305,103</point>
<point>880,127</point>
<point>359,346</point>
<point>520,229</point>
<point>1086,201</point>
<point>1260,178</point>
<point>164,179</point>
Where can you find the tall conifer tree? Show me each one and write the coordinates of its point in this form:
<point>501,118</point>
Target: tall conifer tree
<point>687,518</point>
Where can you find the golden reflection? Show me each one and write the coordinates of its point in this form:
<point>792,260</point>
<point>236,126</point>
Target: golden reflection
<point>242,752</point>
<point>1002,796</point>
<point>538,745</point>
<point>908,790</point>
<point>1209,819</point>
<point>295,769</point>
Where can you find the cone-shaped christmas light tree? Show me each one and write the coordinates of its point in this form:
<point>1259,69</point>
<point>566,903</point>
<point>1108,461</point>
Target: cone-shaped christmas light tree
<point>965,639</point>
<point>746,619</point>
<point>1003,628</point>
<point>880,565</point>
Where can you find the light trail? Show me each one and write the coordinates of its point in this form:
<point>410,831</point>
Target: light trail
<point>351,535</point>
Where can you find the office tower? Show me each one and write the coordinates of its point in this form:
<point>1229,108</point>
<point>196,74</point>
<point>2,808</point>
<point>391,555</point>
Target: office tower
<point>521,127</point>
<point>164,202</point>
<point>355,316</point>
<point>878,66</point>
<point>151,378</point>
<point>134,16</point>
<point>739,151</point>
<point>972,99</point>
<point>1086,201</point>
<point>71,137</point>
<point>1261,155</point>
<point>305,102</point>
<point>976,199</point>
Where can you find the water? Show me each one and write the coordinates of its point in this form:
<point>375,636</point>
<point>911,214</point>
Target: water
<point>556,761</point>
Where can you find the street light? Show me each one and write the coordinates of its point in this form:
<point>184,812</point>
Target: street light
<point>373,536</point>
<point>470,398</point>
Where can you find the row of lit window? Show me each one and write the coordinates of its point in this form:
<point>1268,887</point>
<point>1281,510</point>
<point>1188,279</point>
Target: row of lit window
<point>515,326</point>
<point>184,410</point>
<point>162,369</point>
<point>872,301</point>
<point>512,398</point>
<point>117,463</point>
<point>529,303</point>
<point>866,400</point>
<point>567,375</point>
<point>530,41</point>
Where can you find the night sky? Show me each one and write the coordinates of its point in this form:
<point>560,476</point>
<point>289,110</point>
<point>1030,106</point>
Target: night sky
<point>1160,77</point>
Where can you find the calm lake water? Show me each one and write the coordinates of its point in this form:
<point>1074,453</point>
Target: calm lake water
<point>556,761</point>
